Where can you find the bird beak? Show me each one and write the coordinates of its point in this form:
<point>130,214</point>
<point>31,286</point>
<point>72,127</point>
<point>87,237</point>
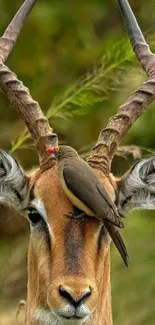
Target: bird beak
<point>53,150</point>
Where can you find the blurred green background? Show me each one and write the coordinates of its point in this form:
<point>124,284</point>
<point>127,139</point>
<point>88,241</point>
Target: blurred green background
<point>77,61</point>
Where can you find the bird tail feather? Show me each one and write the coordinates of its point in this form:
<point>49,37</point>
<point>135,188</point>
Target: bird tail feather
<point>118,241</point>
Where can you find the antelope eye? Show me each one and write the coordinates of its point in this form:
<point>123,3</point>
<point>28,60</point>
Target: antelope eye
<point>33,215</point>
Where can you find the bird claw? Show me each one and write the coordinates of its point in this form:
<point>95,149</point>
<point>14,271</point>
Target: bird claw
<point>72,215</point>
<point>80,216</point>
<point>69,215</point>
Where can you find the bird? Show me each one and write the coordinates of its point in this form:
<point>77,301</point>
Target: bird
<point>87,193</point>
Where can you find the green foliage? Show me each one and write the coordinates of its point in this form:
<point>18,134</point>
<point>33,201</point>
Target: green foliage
<point>92,88</point>
<point>20,142</point>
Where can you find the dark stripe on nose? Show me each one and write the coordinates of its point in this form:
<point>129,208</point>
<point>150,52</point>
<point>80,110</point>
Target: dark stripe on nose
<point>74,245</point>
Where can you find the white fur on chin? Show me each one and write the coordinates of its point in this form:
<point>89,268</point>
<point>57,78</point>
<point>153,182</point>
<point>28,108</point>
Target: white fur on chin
<point>46,317</point>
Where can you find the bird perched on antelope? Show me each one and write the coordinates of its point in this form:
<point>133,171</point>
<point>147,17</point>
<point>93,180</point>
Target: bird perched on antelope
<point>87,193</point>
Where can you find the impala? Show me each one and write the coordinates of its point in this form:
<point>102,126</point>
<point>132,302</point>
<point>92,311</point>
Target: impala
<point>69,259</point>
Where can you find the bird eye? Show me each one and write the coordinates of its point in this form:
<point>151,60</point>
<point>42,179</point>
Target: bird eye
<point>33,215</point>
<point>57,148</point>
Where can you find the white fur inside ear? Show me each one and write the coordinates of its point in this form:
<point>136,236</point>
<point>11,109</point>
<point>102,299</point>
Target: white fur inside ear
<point>142,175</point>
<point>147,172</point>
<point>13,182</point>
<point>137,190</point>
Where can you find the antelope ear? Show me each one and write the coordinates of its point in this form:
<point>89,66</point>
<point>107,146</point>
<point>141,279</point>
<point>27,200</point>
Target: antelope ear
<point>136,190</point>
<point>13,182</point>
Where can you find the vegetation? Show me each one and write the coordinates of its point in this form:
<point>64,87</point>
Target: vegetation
<point>77,61</point>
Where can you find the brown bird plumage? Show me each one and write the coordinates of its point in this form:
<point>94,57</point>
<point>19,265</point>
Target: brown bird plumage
<point>88,194</point>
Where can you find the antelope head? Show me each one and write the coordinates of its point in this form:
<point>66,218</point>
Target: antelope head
<point>68,260</point>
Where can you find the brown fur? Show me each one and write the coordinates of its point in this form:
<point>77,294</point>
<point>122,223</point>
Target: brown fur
<point>49,266</point>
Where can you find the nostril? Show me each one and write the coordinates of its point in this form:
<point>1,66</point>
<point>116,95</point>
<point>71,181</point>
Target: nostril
<point>72,297</point>
<point>64,293</point>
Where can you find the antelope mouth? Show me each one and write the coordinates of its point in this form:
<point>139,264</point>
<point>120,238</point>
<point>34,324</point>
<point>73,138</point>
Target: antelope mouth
<point>73,317</point>
<point>73,320</point>
<point>76,318</point>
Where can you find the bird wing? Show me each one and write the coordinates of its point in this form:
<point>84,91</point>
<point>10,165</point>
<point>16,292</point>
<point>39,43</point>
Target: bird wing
<point>106,196</point>
<point>118,241</point>
<point>84,184</point>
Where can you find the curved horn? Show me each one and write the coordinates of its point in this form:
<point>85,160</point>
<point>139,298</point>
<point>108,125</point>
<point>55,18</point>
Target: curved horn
<point>118,125</point>
<point>19,95</point>
<point>11,34</point>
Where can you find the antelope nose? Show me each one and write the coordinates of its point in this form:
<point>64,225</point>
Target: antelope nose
<point>72,297</point>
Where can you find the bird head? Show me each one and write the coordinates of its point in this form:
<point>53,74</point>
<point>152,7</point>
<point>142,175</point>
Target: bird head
<point>62,152</point>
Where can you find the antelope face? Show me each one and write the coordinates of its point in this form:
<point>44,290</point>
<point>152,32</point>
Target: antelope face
<point>66,259</point>
<point>63,255</point>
